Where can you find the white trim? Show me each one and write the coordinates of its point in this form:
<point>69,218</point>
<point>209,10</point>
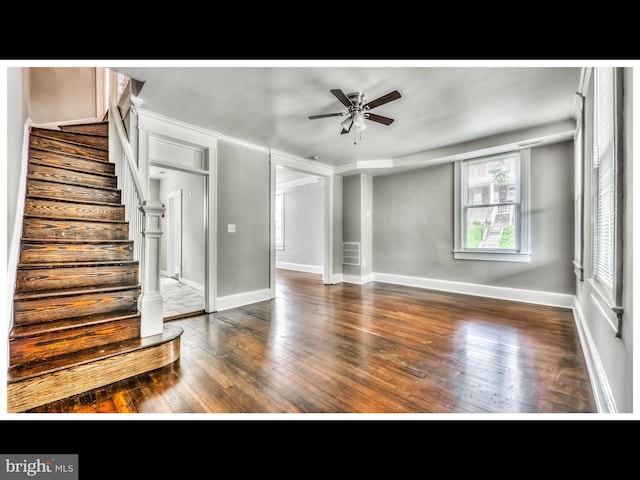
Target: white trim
<point>523,253</point>
<point>14,248</point>
<point>335,279</point>
<point>358,279</point>
<point>56,125</point>
<point>604,310</point>
<point>553,299</point>
<point>241,299</point>
<point>299,267</point>
<point>101,100</point>
<point>192,284</point>
<point>605,402</point>
<point>492,256</point>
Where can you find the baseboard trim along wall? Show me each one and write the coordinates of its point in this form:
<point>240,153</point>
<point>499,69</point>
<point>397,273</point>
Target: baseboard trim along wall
<point>564,300</point>
<point>300,267</point>
<point>605,401</point>
<point>240,299</point>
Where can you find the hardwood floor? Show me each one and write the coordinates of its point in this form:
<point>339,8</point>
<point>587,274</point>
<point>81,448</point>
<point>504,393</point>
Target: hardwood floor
<point>375,348</point>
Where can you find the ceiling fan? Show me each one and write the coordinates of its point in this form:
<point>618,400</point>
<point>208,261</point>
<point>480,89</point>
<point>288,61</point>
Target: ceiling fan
<point>358,110</point>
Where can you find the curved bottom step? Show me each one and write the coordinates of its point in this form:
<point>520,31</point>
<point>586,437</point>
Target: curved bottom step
<point>31,388</point>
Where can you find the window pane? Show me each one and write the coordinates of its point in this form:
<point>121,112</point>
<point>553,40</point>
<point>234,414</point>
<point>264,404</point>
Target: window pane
<point>492,181</point>
<point>492,228</point>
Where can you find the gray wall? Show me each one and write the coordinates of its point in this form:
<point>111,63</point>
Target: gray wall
<point>62,93</point>
<point>303,226</point>
<point>351,209</point>
<point>337,224</point>
<point>413,227</point>
<point>243,199</point>
<point>17,115</point>
<point>193,232</point>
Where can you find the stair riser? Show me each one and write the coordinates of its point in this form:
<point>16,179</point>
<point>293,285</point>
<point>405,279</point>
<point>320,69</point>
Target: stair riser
<point>71,163</point>
<point>36,310</point>
<point>53,209</point>
<point>59,191</point>
<point>38,279</point>
<point>56,253</point>
<point>42,347</point>
<point>68,148</point>
<point>93,128</point>
<point>52,229</point>
<point>55,174</point>
<point>96,141</point>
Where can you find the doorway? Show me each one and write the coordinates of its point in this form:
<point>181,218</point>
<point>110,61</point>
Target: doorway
<point>299,221</point>
<point>183,246</point>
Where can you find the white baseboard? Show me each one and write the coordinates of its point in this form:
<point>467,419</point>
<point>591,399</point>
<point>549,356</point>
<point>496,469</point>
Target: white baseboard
<point>504,293</point>
<point>605,401</point>
<point>358,279</point>
<point>193,284</point>
<point>240,299</point>
<point>299,267</point>
<point>336,278</point>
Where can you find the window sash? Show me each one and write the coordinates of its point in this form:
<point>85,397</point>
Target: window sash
<point>482,164</point>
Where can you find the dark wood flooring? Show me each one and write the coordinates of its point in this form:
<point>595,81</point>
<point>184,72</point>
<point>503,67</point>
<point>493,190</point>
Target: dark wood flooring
<point>350,349</point>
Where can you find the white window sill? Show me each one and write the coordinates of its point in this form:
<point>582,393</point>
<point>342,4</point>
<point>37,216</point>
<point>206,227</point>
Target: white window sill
<point>492,256</point>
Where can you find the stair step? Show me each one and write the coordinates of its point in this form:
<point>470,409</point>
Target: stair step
<point>60,229</point>
<point>41,342</point>
<point>73,210</point>
<point>33,251</point>
<point>30,308</point>
<point>60,146</point>
<point>81,138</point>
<point>37,171</point>
<point>98,128</point>
<point>69,162</point>
<point>39,277</point>
<point>65,191</point>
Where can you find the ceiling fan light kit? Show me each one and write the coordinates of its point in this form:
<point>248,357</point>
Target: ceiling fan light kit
<point>358,110</point>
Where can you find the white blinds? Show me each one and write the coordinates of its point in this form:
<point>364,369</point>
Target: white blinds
<point>604,178</point>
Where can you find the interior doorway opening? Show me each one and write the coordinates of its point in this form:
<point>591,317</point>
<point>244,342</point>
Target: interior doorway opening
<point>183,246</point>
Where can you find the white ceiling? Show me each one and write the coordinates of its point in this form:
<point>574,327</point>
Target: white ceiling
<point>269,105</point>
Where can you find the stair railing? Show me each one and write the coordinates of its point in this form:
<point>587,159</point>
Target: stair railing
<point>144,217</point>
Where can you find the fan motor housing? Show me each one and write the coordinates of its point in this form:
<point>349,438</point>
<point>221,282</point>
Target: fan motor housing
<point>358,99</point>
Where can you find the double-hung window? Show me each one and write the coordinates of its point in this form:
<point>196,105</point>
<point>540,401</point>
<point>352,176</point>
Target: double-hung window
<point>607,186</point>
<point>492,208</point>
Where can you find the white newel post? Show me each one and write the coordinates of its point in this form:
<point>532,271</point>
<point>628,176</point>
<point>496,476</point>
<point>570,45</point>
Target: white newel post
<point>150,303</point>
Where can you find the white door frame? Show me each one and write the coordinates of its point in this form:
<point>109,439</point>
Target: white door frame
<point>174,234</point>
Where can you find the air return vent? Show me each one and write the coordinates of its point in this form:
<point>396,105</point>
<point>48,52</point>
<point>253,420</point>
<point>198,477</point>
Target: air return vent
<point>351,253</point>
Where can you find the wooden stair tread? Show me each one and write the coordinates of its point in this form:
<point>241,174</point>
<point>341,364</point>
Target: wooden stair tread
<point>74,241</point>
<point>34,266</point>
<point>82,139</point>
<point>73,291</point>
<point>71,200</point>
<point>23,372</point>
<point>98,187</point>
<point>70,168</point>
<point>96,128</point>
<point>30,330</point>
<point>76,219</point>
<point>43,156</point>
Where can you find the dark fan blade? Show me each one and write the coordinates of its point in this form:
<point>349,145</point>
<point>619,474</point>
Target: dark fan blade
<point>342,97</point>
<point>378,118</point>
<point>328,115</point>
<point>383,99</point>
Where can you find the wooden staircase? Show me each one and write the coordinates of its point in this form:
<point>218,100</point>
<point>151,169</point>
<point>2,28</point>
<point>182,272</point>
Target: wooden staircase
<point>76,324</point>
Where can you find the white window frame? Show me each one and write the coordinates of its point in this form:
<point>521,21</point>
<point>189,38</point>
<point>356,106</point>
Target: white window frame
<point>522,251</point>
<point>279,212</point>
<point>610,293</point>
